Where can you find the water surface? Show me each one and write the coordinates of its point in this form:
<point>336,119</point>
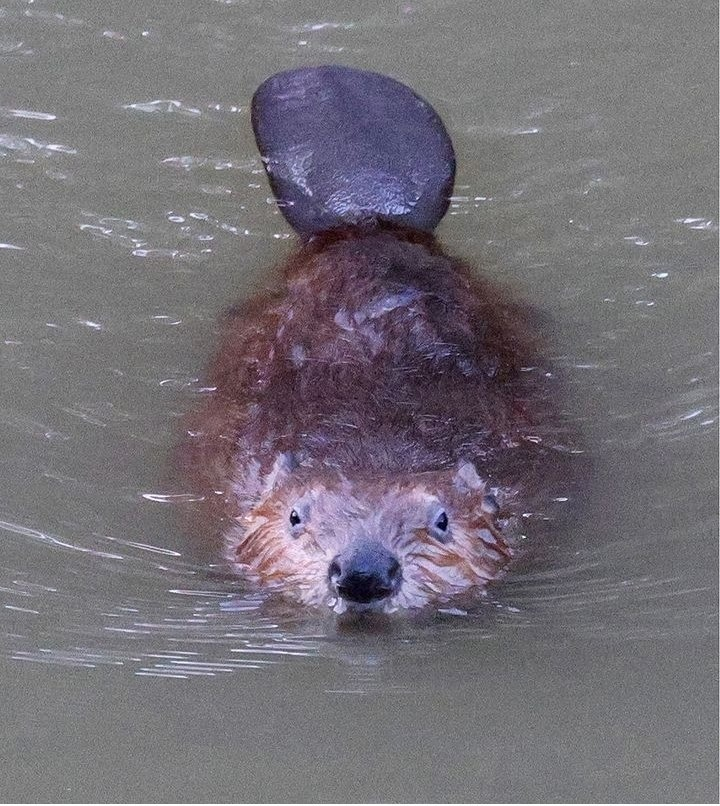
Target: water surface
<point>134,209</point>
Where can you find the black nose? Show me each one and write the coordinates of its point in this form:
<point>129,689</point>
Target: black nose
<point>368,573</point>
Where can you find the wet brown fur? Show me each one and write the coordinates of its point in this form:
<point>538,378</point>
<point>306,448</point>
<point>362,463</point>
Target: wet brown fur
<point>392,377</point>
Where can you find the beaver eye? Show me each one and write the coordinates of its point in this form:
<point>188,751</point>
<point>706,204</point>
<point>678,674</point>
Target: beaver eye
<point>440,528</point>
<point>295,519</point>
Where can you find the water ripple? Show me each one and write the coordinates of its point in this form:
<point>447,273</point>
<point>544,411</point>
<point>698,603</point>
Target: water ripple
<point>698,223</point>
<point>26,114</point>
<point>25,146</point>
<point>164,107</point>
<point>36,534</point>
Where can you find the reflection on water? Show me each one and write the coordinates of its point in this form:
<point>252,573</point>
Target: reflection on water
<point>188,620</point>
<point>135,208</point>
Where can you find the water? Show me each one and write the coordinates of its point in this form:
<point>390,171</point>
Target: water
<point>134,209</point>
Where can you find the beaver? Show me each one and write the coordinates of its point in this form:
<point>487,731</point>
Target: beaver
<point>370,423</point>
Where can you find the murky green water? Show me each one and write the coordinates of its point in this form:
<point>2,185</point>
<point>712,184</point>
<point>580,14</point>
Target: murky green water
<point>134,209</point>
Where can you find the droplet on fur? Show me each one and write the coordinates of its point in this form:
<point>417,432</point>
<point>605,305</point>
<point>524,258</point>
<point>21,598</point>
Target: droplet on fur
<point>490,504</point>
<point>487,537</point>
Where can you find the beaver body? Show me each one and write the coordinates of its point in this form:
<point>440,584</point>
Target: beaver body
<point>374,418</point>
<point>372,424</point>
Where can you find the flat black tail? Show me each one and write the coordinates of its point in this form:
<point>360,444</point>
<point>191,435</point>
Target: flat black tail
<point>349,147</point>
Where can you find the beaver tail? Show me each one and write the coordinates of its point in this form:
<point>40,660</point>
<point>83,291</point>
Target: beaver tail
<point>345,147</point>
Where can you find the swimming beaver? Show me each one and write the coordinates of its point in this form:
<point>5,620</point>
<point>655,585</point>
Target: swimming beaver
<point>372,423</point>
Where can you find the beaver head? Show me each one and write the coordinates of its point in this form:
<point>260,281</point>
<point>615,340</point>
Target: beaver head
<point>369,543</point>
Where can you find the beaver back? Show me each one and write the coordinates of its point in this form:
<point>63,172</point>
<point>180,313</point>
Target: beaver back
<point>379,354</point>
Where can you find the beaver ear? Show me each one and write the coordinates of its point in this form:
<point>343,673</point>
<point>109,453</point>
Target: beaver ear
<point>282,467</point>
<point>466,478</point>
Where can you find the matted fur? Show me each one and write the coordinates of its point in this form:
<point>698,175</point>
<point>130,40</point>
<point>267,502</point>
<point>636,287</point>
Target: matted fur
<point>374,384</point>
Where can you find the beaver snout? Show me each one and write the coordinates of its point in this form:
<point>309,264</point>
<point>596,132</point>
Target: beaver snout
<point>365,573</point>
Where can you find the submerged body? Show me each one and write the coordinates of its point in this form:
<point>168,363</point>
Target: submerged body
<point>372,426</point>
